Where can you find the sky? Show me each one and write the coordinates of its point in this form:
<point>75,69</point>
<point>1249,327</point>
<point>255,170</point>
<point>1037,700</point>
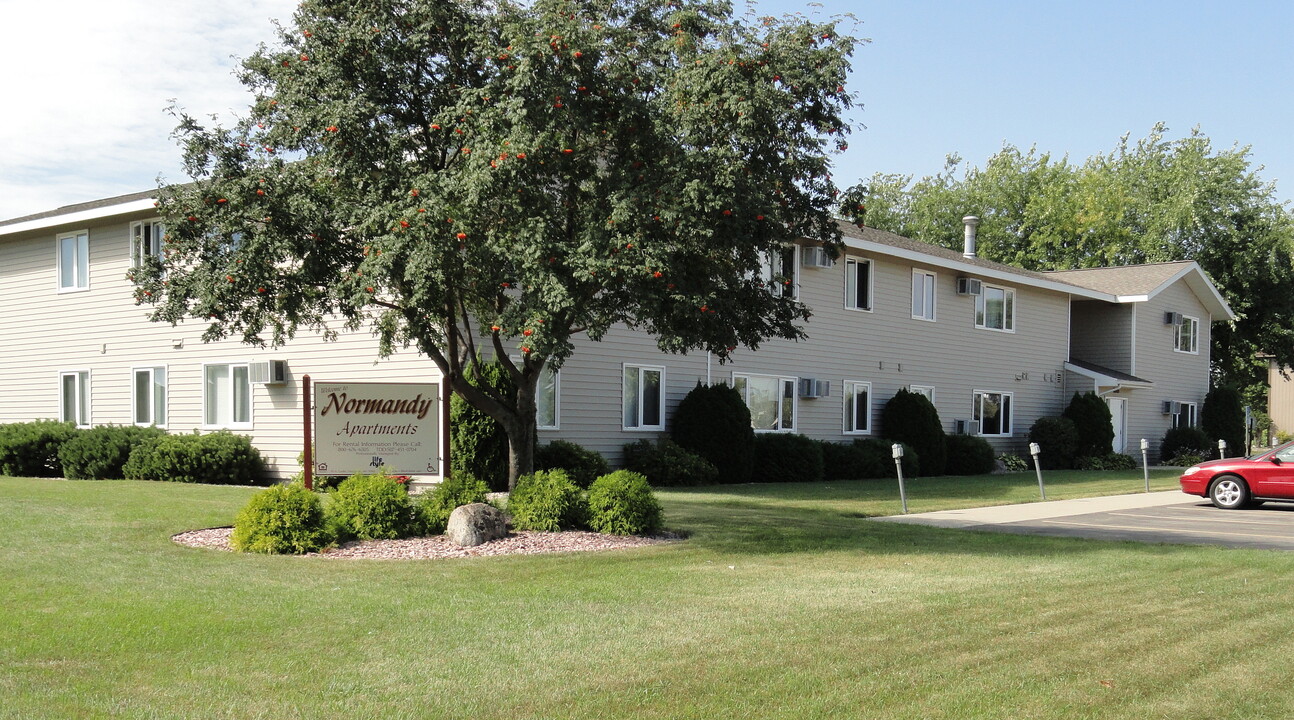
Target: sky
<point>87,85</point>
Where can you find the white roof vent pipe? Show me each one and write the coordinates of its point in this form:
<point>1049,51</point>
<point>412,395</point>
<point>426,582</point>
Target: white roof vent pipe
<point>971,221</point>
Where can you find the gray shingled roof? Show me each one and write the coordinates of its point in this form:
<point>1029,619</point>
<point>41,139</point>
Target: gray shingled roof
<point>93,204</point>
<point>1124,280</point>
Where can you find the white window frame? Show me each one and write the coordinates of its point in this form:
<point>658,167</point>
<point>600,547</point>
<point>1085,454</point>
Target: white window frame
<point>851,399</point>
<point>80,263</point>
<point>640,426</point>
<point>1187,411</point>
<point>927,390</point>
<point>783,382</point>
<point>851,271</point>
<point>82,391</point>
<point>556,376</point>
<point>932,279</point>
<point>152,371</point>
<point>770,270</point>
<point>233,424</point>
<point>1195,336</point>
<point>977,413</point>
<point>1008,309</point>
<point>155,230</point>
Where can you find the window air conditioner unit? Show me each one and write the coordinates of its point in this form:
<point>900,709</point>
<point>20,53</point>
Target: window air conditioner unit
<point>816,257</point>
<point>969,286</point>
<point>1172,318</point>
<point>270,372</point>
<point>811,388</point>
<point>1172,407</point>
<point>966,427</point>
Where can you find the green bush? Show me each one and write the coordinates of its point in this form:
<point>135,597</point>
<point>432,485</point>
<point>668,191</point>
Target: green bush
<point>101,452</point>
<point>478,445</point>
<point>547,500</point>
<point>1013,463</point>
<point>786,457</point>
<point>853,461</point>
<point>1223,418</point>
<point>453,492</point>
<point>622,503</point>
<point>281,519</point>
<point>714,422</point>
<point>582,465</point>
<point>1109,461</point>
<point>30,449</point>
<point>969,455</point>
<point>374,507</point>
<point>1184,459</point>
<point>910,418</point>
<point>1185,440</point>
<point>1058,441</point>
<point>1091,417</point>
<point>880,454</point>
<point>665,464</point>
<point>220,458</point>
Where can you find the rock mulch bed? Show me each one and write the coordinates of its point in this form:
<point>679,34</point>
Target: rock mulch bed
<point>522,542</point>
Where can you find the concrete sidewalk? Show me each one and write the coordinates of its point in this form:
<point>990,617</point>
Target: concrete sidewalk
<point>1003,514</point>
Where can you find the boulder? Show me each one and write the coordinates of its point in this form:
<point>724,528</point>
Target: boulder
<point>475,524</point>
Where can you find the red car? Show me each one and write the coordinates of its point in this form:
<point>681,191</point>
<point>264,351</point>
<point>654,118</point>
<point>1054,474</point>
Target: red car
<point>1237,482</point>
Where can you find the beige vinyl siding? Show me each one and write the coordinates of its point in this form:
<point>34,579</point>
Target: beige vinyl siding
<point>1101,333</point>
<point>1280,397</point>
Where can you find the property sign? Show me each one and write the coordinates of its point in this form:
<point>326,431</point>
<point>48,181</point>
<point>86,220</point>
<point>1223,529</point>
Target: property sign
<point>360,427</point>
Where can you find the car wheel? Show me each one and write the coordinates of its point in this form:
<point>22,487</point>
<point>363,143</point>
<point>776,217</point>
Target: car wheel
<point>1229,492</point>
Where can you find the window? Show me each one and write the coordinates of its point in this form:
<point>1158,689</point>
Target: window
<point>926,390</point>
<point>644,397</point>
<point>993,411</point>
<point>227,395</point>
<point>146,241</point>
<point>546,400</point>
<point>74,397</point>
<point>777,271</point>
<point>923,295</point>
<point>995,309</point>
<point>1188,335</point>
<point>858,284</point>
<point>74,261</point>
<point>858,407</point>
<point>771,401</point>
<point>150,396</point>
<point>1185,416</point>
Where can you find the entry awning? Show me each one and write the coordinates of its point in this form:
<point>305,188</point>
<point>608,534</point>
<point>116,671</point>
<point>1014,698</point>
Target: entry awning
<point>1106,377</point>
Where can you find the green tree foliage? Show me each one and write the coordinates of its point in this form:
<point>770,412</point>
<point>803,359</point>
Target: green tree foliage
<point>1223,418</point>
<point>1152,200</point>
<point>502,176</point>
<point>714,422</point>
<point>911,418</point>
<point>478,444</point>
<point>1093,423</point>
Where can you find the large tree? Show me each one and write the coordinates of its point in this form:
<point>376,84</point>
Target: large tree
<point>1154,200</point>
<point>490,178</point>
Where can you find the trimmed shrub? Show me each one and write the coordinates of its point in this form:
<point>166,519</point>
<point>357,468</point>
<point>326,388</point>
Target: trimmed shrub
<point>547,500</point>
<point>30,449</point>
<point>880,455</point>
<point>665,464</point>
<point>622,503</point>
<point>478,445</point>
<point>374,507</point>
<point>453,492</point>
<point>101,452</point>
<point>785,457</point>
<point>910,418</point>
<point>1091,417</point>
<point>1109,461</point>
<point>1013,463</point>
<point>1223,418</point>
<point>281,519</point>
<point>714,422</point>
<point>1058,440</point>
<point>582,465</point>
<point>220,458</point>
<point>1184,459</point>
<point>1185,440</point>
<point>969,455</point>
<point>851,461</point>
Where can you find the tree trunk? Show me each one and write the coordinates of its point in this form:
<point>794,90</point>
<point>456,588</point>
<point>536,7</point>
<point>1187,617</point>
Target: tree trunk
<point>521,431</point>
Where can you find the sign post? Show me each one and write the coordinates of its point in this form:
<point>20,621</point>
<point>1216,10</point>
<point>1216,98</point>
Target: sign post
<point>361,427</point>
<point>307,415</point>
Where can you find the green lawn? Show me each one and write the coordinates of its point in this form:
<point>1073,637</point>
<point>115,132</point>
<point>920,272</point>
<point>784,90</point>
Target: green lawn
<point>783,603</point>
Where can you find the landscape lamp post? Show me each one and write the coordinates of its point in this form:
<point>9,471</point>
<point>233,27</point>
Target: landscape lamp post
<point>1035,451</point>
<point>1145,461</point>
<point>897,450</point>
<point>1222,449</point>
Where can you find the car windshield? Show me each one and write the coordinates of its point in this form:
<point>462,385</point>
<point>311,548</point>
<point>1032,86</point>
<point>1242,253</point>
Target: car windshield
<point>1284,452</point>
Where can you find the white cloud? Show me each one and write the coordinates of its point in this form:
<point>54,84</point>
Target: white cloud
<point>87,85</point>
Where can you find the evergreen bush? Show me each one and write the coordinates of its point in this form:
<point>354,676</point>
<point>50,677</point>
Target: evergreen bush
<point>453,492</point>
<point>582,465</point>
<point>100,453</point>
<point>1093,423</point>
<point>478,444</point>
<point>851,461</point>
<point>786,457</point>
<point>714,422</point>
<point>969,455</point>
<point>281,519</point>
<point>547,500</point>
<point>1109,461</point>
<point>374,507</point>
<point>30,449</point>
<point>1057,439</point>
<point>622,503</point>
<point>1013,463</point>
<point>910,418</point>
<point>1223,418</point>
<point>220,458</point>
<point>666,464</point>
<point>1185,441</point>
<point>880,452</point>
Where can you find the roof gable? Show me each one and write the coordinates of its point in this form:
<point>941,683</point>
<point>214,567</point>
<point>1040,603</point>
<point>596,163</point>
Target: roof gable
<point>1140,283</point>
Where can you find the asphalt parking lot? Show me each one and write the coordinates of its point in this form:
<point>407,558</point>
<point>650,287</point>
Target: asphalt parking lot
<point>1171,517</point>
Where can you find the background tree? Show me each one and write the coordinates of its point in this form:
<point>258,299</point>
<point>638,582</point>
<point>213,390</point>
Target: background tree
<point>1223,418</point>
<point>498,177</point>
<point>1153,200</point>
